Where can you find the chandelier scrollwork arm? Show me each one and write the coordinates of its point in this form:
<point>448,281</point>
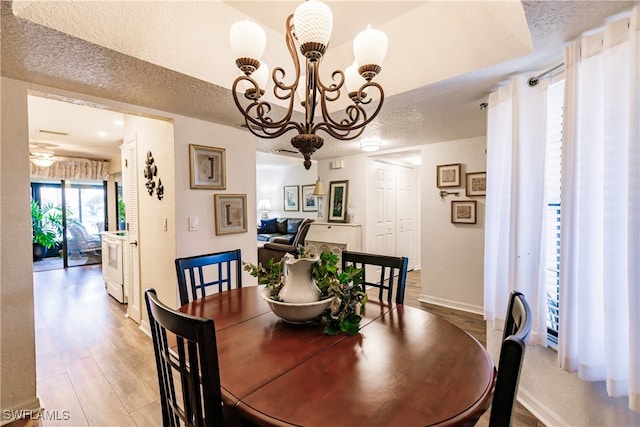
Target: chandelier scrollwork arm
<point>309,28</point>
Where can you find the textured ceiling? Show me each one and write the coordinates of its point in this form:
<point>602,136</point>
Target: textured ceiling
<point>444,57</point>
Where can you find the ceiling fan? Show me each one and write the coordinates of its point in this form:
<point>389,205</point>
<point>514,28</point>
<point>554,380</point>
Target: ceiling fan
<point>42,156</point>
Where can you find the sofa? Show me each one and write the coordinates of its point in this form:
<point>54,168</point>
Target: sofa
<point>280,244</point>
<point>281,230</point>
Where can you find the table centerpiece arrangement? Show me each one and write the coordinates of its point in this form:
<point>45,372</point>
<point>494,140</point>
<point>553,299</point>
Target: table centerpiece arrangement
<point>309,288</point>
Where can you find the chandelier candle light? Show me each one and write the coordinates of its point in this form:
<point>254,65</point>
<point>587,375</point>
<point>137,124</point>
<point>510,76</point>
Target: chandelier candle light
<point>308,28</point>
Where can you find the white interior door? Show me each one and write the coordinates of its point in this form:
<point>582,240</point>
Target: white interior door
<point>385,212</point>
<point>405,208</point>
<point>132,262</point>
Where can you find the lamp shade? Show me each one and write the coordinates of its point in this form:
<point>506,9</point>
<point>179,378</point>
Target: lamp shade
<point>319,189</point>
<point>370,47</point>
<point>353,79</point>
<point>313,22</point>
<point>264,205</point>
<point>248,40</point>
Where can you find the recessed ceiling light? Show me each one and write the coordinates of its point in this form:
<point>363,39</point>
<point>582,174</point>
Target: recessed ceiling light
<point>371,145</point>
<point>118,122</point>
<point>102,133</point>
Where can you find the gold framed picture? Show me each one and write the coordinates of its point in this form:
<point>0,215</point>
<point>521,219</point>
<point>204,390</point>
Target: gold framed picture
<point>207,167</point>
<point>231,213</point>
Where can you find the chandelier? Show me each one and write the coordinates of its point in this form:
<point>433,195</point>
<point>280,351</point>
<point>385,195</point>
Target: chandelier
<point>309,29</point>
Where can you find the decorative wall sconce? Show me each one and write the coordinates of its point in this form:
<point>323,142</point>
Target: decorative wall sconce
<point>444,193</point>
<point>150,172</point>
<point>160,190</point>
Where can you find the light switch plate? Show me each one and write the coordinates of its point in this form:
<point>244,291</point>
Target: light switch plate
<point>193,223</point>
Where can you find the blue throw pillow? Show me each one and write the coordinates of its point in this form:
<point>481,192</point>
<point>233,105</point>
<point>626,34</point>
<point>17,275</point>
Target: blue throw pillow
<point>268,225</point>
<point>293,224</point>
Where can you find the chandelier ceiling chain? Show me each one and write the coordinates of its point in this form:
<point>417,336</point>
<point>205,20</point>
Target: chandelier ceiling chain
<point>309,28</point>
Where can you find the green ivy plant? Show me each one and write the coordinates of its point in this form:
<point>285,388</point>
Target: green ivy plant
<point>269,276</point>
<point>345,315</point>
<point>347,286</point>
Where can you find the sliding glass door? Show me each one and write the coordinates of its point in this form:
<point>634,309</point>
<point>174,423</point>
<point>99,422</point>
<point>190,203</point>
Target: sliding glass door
<point>78,226</point>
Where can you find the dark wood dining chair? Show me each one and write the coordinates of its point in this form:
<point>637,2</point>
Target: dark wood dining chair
<point>517,326</point>
<point>393,272</point>
<point>188,374</point>
<point>196,273</point>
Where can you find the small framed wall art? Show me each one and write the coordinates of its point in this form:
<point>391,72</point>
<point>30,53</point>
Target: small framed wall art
<point>291,198</point>
<point>231,213</point>
<point>207,167</point>
<point>463,211</point>
<point>476,184</point>
<point>338,201</point>
<point>309,201</point>
<point>448,175</point>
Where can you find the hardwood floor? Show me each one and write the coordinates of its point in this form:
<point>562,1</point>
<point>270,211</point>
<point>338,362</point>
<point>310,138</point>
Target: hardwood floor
<point>96,368</point>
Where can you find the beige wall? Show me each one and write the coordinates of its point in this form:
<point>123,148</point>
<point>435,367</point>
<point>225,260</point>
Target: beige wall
<point>241,179</point>
<point>17,333</point>
<point>157,246</point>
<point>452,254</point>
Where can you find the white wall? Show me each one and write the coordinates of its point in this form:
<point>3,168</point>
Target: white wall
<point>157,246</point>
<point>272,178</point>
<point>17,332</point>
<point>452,255</point>
<point>241,179</point>
<point>355,171</point>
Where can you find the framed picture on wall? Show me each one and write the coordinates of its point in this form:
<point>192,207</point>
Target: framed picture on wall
<point>463,211</point>
<point>476,184</point>
<point>207,167</point>
<point>291,198</point>
<point>338,201</point>
<point>231,213</point>
<point>448,175</point>
<point>309,201</point>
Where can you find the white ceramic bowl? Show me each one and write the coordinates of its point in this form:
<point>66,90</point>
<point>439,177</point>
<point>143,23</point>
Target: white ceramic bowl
<point>296,312</point>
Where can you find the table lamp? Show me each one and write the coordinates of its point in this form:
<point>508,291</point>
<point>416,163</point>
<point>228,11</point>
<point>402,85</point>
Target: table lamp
<point>264,206</point>
<point>319,192</point>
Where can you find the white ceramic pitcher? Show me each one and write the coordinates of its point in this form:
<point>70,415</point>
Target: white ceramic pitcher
<point>299,286</point>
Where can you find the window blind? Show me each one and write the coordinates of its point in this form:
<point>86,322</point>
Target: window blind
<point>553,206</point>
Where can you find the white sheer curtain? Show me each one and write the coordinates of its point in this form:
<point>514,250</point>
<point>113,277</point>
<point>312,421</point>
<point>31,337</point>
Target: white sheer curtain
<point>514,237</point>
<point>599,333</point>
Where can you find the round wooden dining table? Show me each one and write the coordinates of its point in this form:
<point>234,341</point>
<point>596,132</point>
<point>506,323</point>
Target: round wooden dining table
<point>406,367</point>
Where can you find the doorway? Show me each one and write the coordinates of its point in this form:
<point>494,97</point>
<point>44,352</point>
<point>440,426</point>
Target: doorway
<point>75,229</point>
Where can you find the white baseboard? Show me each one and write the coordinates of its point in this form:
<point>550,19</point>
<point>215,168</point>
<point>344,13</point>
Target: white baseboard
<point>451,304</point>
<point>544,414</point>
<point>145,327</point>
<point>27,409</point>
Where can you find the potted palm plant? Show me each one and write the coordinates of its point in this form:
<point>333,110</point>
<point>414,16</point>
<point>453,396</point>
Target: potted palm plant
<point>47,229</point>
<point>44,234</point>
